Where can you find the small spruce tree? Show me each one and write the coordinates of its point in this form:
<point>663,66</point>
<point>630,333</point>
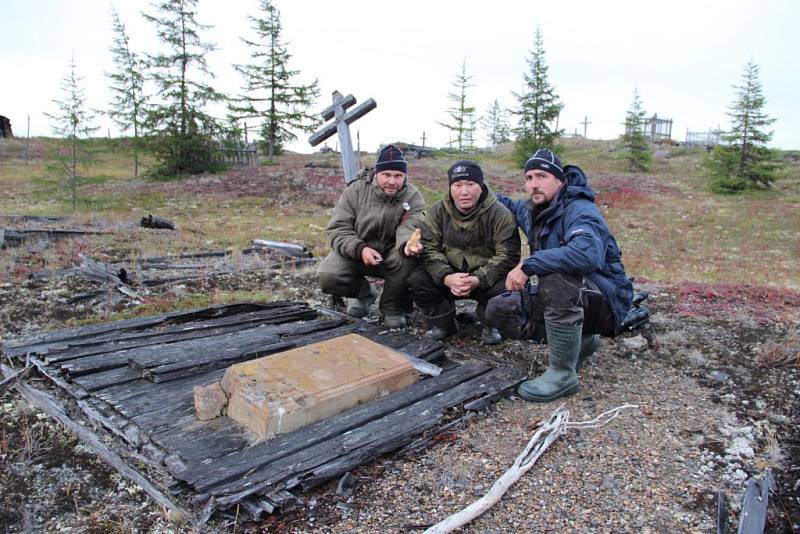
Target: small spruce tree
<point>635,147</point>
<point>73,122</point>
<point>744,161</point>
<point>181,133</point>
<point>538,106</point>
<point>127,106</point>
<point>461,124</point>
<point>269,93</point>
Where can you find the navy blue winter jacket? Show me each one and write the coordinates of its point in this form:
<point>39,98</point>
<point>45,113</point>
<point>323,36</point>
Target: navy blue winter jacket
<point>575,239</point>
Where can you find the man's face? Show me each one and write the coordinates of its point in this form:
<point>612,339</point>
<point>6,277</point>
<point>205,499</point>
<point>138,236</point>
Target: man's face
<point>465,194</point>
<point>541,186</point>
<point>390,181</point>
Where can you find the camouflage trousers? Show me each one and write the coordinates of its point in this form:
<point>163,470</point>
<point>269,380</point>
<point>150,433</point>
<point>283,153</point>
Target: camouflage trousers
<point>345,277</point>
<point>559,298</point>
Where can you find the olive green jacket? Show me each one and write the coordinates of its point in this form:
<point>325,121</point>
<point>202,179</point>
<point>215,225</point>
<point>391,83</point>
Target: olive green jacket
<point>365,216</point>
<point>484,243</point>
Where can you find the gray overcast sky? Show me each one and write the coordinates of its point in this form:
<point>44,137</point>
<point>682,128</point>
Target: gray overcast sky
<point>684,56</point>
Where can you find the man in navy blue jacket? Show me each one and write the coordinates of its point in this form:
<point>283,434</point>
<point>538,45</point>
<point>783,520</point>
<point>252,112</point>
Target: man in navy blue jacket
<point>582,291</point>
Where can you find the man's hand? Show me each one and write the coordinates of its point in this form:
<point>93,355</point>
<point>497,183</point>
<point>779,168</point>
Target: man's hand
<point>461,284</point>
<point>516,279</point>
<point>408,251</point>
<point>370,256</point>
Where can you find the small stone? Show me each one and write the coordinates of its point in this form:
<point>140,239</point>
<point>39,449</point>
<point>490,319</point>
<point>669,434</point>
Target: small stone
<point>636,343</point>
<point>209,401</point>
<point>719,376</point>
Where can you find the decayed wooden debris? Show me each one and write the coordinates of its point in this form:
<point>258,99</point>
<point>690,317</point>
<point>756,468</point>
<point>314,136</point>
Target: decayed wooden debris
<point>134,380</point>
<point>156,223</point>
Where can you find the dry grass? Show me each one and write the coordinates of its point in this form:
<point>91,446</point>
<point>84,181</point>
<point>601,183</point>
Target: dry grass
<point>785,353</point>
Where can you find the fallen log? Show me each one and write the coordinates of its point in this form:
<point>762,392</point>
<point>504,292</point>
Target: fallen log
<point>289,249</point>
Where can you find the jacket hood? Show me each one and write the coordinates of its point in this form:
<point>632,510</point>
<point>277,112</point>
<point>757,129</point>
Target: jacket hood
<point>577,186</point>
<point>484,203</point>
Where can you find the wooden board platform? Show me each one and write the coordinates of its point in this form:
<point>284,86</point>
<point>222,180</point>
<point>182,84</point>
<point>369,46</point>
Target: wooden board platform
<point>134,380</point>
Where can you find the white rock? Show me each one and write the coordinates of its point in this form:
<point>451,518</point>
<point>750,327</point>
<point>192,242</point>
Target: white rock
<point>635,343</point>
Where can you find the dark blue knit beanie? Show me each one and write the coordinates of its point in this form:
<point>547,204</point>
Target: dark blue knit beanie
<point>390,158</point>
<point>544,159</point>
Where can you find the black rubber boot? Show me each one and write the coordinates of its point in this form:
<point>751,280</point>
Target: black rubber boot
<point>559,379</point>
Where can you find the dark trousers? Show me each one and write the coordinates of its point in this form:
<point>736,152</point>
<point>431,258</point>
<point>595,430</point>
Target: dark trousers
<point>344,277</point>
<point>559,298</point>
<point>438,304</point>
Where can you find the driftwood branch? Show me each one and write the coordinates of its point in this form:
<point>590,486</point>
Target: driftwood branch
<point>542,439</point>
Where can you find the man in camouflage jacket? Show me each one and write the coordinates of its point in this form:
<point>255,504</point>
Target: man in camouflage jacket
<point>470,243</point>
<point>371,225</point>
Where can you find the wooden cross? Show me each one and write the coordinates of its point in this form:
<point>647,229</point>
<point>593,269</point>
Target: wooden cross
<point>586,122</point>
<point>340,123</point>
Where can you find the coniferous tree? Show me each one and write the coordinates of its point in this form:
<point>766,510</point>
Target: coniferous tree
<point>538,103</point>
<point>495,124</point>
<point>181,131</point>
<point>461,114</point>
<point>73,122</point>
<point>269,92</point>
<point>745,161</point>
<point>635,147</point>
<point>127,106</point>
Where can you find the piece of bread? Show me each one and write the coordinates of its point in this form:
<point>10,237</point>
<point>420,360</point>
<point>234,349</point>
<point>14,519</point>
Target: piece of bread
<point>413,242</point>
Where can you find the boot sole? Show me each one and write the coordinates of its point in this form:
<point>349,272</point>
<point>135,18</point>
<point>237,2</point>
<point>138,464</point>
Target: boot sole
<point>571,390</point>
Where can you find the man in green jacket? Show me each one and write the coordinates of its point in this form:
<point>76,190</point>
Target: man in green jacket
<point>470,243</point>
<point>372,222</point>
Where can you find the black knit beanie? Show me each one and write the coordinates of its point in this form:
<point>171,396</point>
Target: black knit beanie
<point>544,159</point>
<point>465,170</point>
<point>390,158</point>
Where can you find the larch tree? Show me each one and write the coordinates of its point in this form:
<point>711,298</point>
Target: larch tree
<point>181,132</point>
<point>73,122</point>
<point>495,124</point>
<point>635,148</point>
<point>744,161</point>
<point>270,94</point>
<point>461,123</point>
<point>127,107</point>
<point>538,105</point>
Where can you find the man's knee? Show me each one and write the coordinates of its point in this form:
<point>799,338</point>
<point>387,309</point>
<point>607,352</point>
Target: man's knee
<point>561,298</point>
<point>335,275</point>
<point>418,278</point>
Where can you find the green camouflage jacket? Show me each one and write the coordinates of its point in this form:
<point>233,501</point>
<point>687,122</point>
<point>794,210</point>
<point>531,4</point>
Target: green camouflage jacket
<point>484,243</point>
<point>365,216</point>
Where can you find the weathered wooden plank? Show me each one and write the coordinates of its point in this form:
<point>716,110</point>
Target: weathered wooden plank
<point>103,379</point>
<point>40,343</point>
<point>141,396</point>
<point>753,517</point>
<point>193,330</point>
<point>238,460</point>
<point>206,363</point>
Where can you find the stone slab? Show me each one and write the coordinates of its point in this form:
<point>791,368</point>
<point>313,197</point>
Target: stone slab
<point>285,391</point>
<point>209,401</point>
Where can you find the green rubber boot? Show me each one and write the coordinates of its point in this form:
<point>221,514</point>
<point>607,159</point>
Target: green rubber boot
<point>560,379</point>
<point>359,307</point>
<point>589,344</point>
